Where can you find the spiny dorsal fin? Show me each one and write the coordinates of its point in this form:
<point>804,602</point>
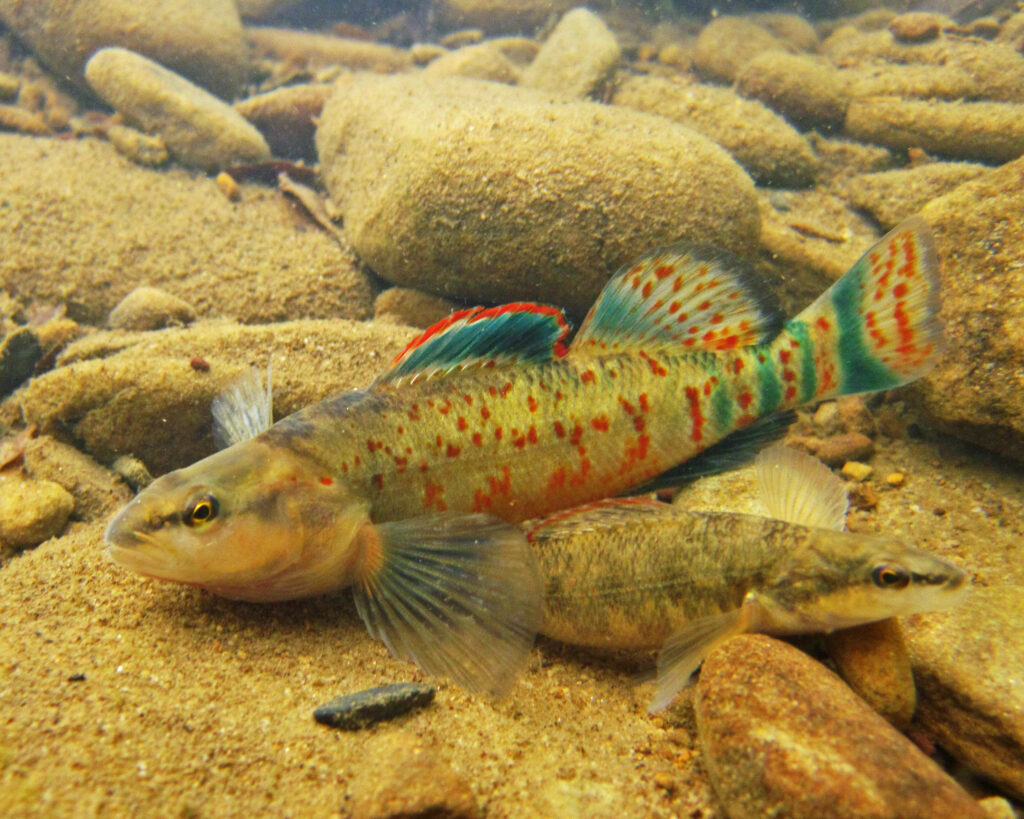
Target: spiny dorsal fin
<point>521,332</point>
<point>800,489</point>
<point>460,595</point>
<point>682,296</point>
<point>243,409</point>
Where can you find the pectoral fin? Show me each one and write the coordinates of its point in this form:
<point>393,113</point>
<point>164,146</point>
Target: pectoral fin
<point>685,650</point>
<point>460,595</point>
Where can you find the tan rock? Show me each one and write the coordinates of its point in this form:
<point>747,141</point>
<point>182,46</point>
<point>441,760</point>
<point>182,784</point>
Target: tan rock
<point>480,191</point>
<point>577,59</point>
<point>96,241</point>
<point>97,491</point>
<point>836,450</point>
<point>805,89</point>
<point>968,664</point>
<point>985,131</point>
<point>499,16</point>
<point>31,511</point>
<point>766,145</point>
<point>201,42</point>
<point>728,43</point>
<point>782,735</point>
<point>287,117</point>
<point>411,307</point>
<point>198,129</point>
<point>149,308</point>
<point>313,49</point>
<point>975,392</point>
<point>873,660</point>
<point>483,62</point>
<point>892,196</point>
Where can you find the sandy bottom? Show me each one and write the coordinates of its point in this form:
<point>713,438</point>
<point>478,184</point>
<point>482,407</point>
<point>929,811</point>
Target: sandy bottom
<point>122,695</point>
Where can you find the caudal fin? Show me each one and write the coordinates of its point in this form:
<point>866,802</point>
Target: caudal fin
<point>878,326</point>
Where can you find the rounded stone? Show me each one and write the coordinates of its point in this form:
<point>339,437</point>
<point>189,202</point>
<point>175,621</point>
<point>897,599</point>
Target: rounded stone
<point>480,191</point>
<point>727,44</point>
<point>783,736</point>
<point>149,308</point>
<point>577,59</point>
<point>201,41</point>
<point>199,129</point>
<point>31,511</point>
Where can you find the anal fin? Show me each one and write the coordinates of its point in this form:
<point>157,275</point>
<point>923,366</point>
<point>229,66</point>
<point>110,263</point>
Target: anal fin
<point>460,595</point>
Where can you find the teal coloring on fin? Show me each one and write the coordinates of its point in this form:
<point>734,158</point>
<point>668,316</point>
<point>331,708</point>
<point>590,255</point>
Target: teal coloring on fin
<point>861,371</point>
<point>513,333</point>
<point>770,388</point>
<point>808,376</point>
<point>680,297</point>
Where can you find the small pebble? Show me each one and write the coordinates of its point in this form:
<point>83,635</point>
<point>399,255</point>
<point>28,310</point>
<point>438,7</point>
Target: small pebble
<point>355,711</point>
<point>916,27</point>
<point>149,308</point>
<point>856,471</point>
<point>31,511</point>
<point>228,186</point>
<point>849,446</point>
<point>133,471</point>
<point>826,418</point>
<point>895,478</point>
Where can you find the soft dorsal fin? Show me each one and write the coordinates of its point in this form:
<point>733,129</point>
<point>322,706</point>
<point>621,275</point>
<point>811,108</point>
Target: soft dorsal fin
<point>243,409</point>
<point>798,488</point>
<point>496,336</point>
<point>682,296</point>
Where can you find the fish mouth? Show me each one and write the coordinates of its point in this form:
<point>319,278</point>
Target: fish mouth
<point>137,550</point>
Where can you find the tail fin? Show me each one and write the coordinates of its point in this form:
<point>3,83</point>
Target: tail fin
<point>878,326</point>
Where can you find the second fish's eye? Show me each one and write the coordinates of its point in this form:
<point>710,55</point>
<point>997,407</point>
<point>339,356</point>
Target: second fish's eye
<point>201,510</point>
<point>887,576</point>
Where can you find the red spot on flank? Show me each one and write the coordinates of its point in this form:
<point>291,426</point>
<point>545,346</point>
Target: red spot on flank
<point>790,392</point>
<point>433,497</point>
<point>377,481</point>
<point>646,291</point>
<point>704,305</point>
<point>600,423</point>
<point>485,413</point>
<point>784,356</point>
<point>557,479</point>
<point>645,405</point>
<point>468,399</point>
<point>587,376</point>
<point>577,434</point>
<point>580,477</point>
<point>788,375</point>
<point>498,433</point>
<point>461,423</point>
<point>707,388</point>
<point>900,290</point>
<point>794,343</point>
<point>760,358</point>
<point>400,430</point>
<point>824,324</point>
<point>453,451</point>
<point>654,364</point>
<point>478,439</point>
<point>506,389</point>
<point>717,318</point>
<point>503,485</point>
<point>519,443</point>
<point>696,415</point>
<point>438,442</point>
<point>744,399</point>
<point>737,366</point>
<point>629,408</point>
<point>531,403</point>
<point>493,391</point>
<point>559,429</point>
<point>446,407</point>
<point>481,501</point>
<point>639,424</point>
<point>663,271</point>
<point>326,481</point>
<point>531,435</point>
<point>357,461</point>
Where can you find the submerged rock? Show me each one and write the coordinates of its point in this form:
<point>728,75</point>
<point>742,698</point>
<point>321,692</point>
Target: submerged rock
<point>149,308</point>
<point>577,59</point>
<point>783,736</point>
<point>199,129</point>
<point>479,191</point>
<point>728,43</point>
<point>969,666</point>
<point>363,708</point>
<point>31,511</point>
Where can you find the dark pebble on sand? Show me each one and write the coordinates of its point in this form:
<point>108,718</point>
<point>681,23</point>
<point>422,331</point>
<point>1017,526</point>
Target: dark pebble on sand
<point>354,711</point>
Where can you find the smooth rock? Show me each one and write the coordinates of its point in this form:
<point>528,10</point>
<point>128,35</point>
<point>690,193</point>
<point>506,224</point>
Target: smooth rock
<point>413,308</point>
<point>848,446</point>
<point>791,28</point>
<point>918,26</point>
<point>873,661</point>
<point>762,142</point>
<point>202,42</point>
<point>31,511</point>
<point>97,491</point>
<point>287,117</point>
<point>480,191</point>
<point>807,90</point>
<point>313,49</point>
<point>199,129</point>
<point>969,667</point>
<point>138,393</point>
<point>986,131</point>
<point>783,736</point>
<point>975,392</point>
<point>577,59</point>
<point>403,777</point>
<point>837,156</point>
<point>149,308</point>
<point>484,61</point>
<point>498,16</point>
<point>892,196</point>
<point>728,43</point>
<point>94,242</point>
<point>360,709</point>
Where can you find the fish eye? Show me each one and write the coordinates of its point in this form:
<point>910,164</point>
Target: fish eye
<point>201,510</point>
<point>887,576</point>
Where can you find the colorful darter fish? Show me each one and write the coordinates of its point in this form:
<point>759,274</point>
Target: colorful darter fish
<point>411,490</point>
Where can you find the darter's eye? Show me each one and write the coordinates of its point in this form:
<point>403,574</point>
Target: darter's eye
<point>201,510</point>
<point>887,576</point>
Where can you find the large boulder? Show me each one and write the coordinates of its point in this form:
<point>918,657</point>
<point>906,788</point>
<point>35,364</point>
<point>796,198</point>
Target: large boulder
<point>481,191</point>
